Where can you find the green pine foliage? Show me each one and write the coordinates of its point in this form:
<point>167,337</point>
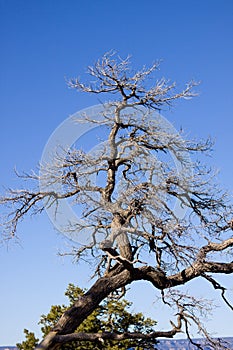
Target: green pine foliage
<point>111,316</point>
<point>30,341</point>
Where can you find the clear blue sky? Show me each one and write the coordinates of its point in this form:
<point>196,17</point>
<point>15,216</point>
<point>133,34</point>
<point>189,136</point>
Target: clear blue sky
<point>44,41</point>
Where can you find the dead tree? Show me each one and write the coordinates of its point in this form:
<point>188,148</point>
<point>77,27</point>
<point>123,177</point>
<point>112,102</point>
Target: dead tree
<point>132,207</point>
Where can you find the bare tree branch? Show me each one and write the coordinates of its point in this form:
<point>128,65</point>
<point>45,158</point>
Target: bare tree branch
<point>145,179</point>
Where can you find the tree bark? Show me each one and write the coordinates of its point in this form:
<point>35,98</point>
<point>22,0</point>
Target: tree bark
<point>83,307</point>
<point>116,279</point>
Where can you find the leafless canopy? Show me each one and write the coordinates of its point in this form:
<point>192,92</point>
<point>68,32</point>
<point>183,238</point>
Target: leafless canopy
<point>158,221</point>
